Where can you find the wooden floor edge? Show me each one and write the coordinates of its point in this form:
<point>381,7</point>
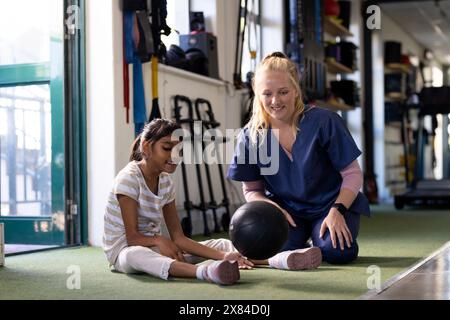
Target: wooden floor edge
<point>388,283</point>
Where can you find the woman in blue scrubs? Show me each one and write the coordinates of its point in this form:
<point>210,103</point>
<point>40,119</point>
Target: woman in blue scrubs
<point>303,159</point>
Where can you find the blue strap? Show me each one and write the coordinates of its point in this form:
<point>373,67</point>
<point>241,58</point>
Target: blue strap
<point>139,109</point>
<point>128,23</point>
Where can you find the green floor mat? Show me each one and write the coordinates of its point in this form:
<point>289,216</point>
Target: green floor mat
<point>392,240</point>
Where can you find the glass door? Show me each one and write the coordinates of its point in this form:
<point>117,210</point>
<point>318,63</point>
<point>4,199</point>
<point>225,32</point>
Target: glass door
<point>34,128</point>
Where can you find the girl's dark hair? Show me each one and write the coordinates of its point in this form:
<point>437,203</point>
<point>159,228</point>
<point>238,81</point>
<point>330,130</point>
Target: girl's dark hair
<point>153,131</point>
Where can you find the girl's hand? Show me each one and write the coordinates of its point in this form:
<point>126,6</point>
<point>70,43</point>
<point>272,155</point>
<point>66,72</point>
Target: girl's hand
<point>337,226</point>
<point>169,249</point>
<point>243,262</point>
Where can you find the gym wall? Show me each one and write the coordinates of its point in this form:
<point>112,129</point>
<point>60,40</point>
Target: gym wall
<point>109,136</point>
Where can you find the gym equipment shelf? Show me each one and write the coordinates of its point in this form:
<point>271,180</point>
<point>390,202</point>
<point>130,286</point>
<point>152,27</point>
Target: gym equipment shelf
<point>397,67</point>
<point>395,96</point>
<point>335,67</point>
<point>334,28</point>
<point>334,105</point>
<point>335,33</point>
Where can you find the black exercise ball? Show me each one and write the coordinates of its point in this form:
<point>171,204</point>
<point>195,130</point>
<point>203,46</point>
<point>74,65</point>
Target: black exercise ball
<point>258,230</point>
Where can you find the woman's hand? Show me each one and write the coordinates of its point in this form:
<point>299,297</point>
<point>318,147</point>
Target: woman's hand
<point>243,262</point>
<point>288,217</point>
<point>285,213</point>
<point>169,249</point>
<point>337,226</point>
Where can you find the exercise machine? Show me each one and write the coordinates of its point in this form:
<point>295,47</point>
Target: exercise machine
<point>433,101</point>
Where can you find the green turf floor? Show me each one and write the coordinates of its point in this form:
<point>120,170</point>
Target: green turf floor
<point>390,239</point>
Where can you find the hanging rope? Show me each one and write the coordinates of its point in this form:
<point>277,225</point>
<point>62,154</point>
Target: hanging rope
<point>252,34</point>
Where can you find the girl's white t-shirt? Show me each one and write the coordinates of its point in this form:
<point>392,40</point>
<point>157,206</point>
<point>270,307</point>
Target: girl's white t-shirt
<point>131,183</point>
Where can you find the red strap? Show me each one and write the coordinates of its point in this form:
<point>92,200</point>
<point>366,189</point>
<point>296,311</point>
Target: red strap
<point>126,85</point>
<point>126,90</point>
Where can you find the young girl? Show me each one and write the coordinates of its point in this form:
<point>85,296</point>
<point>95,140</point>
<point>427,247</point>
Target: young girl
<point>318,179</point>
<point>143,195</point>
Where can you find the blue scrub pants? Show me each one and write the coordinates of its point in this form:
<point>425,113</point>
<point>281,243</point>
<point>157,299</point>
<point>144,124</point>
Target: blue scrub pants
<point>306,229</point>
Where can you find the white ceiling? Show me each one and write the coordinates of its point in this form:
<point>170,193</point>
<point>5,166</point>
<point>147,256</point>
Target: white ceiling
<point>428,22</point>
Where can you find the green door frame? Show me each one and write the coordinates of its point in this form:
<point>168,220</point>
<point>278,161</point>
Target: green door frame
<point>24,74</point>
<point>76,159</point>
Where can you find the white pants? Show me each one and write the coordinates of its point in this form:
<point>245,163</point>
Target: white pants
<point>136,259</point>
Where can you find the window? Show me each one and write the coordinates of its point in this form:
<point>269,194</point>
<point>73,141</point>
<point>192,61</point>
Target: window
<point>29,25</point>
<point>252,39</point>
<point>41,112</point>
<point>25,162</point>
<point>178,20</point>
<point>438,77</point>
<point>433,76</point>
<point>29,51</point>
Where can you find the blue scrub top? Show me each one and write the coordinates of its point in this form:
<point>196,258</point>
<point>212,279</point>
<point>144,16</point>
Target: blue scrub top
<point>308,186</point>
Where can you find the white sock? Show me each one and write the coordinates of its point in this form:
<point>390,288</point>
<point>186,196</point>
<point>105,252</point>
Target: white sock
<point>220,272</point>
<point>199,272</point>
<point>279,261</point>
<point>299,259</point>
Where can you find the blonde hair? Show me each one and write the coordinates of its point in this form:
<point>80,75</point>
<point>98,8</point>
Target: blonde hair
<point>260,119</point>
